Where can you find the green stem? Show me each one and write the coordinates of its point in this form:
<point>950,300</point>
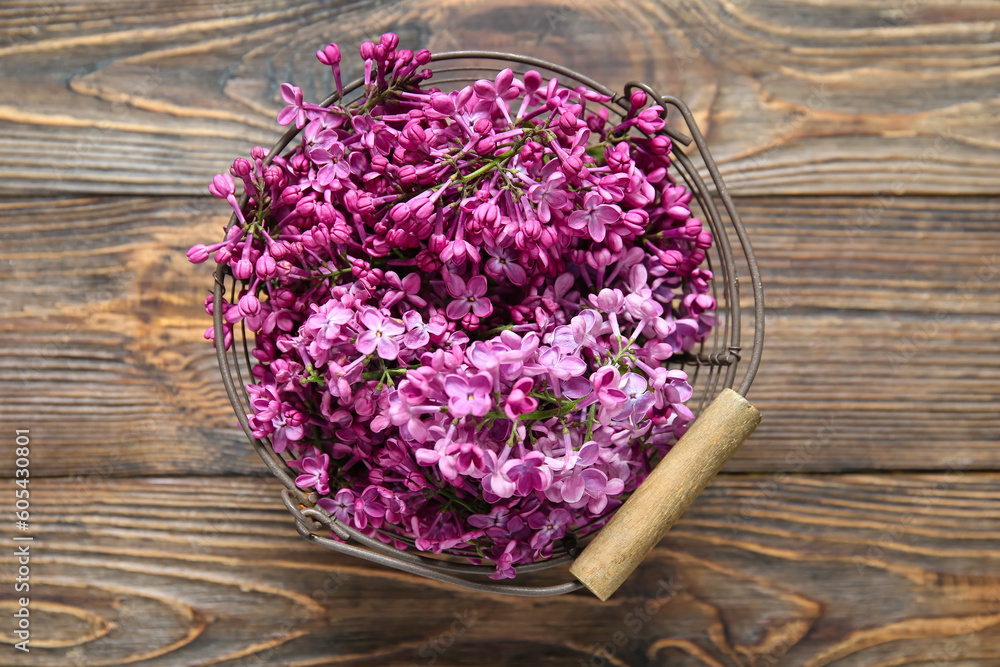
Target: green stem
<point>495,330</point>
<point>490,165</point>
<point>554,412</point>
<point>590,422</point>
<point>377,375</point>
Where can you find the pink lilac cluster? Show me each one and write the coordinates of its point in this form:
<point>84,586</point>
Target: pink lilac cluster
<point>463,304</point>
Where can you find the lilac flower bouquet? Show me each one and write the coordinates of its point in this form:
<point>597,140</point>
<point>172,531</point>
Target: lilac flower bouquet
<point>463,304</point>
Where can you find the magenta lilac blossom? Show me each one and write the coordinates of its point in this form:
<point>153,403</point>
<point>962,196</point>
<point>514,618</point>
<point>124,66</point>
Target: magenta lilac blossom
<point>464,304</point>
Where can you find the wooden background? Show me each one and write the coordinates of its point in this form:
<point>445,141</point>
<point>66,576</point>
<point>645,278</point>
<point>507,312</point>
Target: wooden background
<point>860,525</point>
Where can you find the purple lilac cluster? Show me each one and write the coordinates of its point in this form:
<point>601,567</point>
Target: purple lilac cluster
<point>463,303</point>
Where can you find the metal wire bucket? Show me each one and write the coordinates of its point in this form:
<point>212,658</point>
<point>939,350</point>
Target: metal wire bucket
<point>712,367</point>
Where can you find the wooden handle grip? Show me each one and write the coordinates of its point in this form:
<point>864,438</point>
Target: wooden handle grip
<point>665,494</point>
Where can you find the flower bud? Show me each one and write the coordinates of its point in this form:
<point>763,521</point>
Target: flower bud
<point>330,55</point>
<point>567,122</point>
<point>242,168</point>
<point>532,81</point>
<point>670,258</point>
<point>243,269</point>
<point>400,213</point>
<point>413,136</point>
<point>482,126</point>
<point>359,167</point>
<point>650,121</point>
<point>660,145</point>
<point>636,218</point>
<point>437,243</point>
<point>283,298</point>
<point>197,254</point>
<point>486,146</point>
<point>299,163</point>
<point>428,262</point>
<point>389,41</point>
<point>278,250</point>
<point>290,196</point>
<point>305,207</point>
<point>397,238</point>
<point>421,209</point>
<point>222,186</point>
<point>547,238</point>
<point>266,267</point>
<point>404,57</point>
<point>638,99</point>
<point>619,157</point>
<point>249,305</point>
<point>274,177</point>
<point>532,227</point>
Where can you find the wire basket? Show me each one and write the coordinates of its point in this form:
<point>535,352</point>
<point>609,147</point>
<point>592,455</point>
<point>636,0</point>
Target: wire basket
<point>712,366</point>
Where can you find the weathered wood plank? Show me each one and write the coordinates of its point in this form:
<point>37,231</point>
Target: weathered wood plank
<point>796,96</point>
<point>881,342</point>
<point>792,570</point>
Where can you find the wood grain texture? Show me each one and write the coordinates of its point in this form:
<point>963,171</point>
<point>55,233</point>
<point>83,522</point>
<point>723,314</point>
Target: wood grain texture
<point>806,571</point>
<point>639,524</point>
<point>861,140</point>
<point>795,96</point>
<point>881,346</point>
